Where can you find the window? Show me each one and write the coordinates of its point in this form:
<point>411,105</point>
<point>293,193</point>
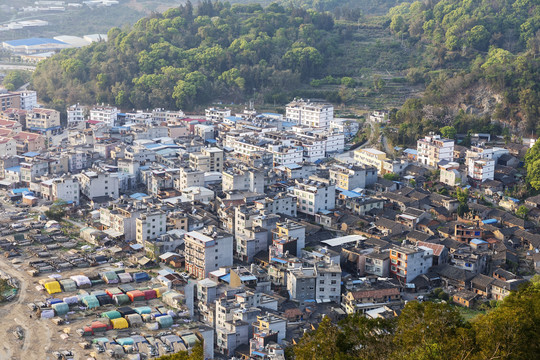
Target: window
<point>321,289</point>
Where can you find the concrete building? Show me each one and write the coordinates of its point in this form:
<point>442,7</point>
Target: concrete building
<point>188,178</point>
<point>216,114</point>
<point>150,226</point>
<point>76,114</point>
<point>352,177</point>
<point>67,189</point>
<point>282,203</point>
<point>451,175</point>
<point>9,100</point>
<point>291,231</point>
<point>321,283</point>
<point>45,121</point>
<point>313,196</point>
<point>274,323</point>
<point>209,159</point>
<point>432,149</point>
<point>98,184</point>
<point>104,114</point>
<point>407,263</point>
<point>480,164</point>
<point>206,252</point>
<point>28,99</point>
<point>311,114</point>
<point>370,157</point>
<point>8,146</point>
<point>244,180</point>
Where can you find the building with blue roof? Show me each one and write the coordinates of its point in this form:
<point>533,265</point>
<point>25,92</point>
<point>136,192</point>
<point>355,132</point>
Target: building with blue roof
<point>30,154</point>
<point>34,45</point>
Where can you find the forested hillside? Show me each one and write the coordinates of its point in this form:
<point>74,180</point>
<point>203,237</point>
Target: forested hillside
<point>431,330</point>
<point>479,56</point>
<point>188,56</point>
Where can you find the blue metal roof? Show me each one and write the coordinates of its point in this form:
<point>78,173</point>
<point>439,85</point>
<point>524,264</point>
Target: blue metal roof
<point>211,141</point>
<point>279,260</point>
<point>351,194</point>
<point>34,41</point>
<point>226,278</point>
<point>410,151</point>
<point>30,154</point>
<point>14,169</point>
<point>138,195</point>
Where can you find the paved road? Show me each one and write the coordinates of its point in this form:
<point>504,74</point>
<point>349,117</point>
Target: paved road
<point>17,67</point>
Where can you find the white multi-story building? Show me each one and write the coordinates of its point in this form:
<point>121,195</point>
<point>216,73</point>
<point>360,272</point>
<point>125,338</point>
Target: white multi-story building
<point>286,155</point>
<point>312,114</point>
<point>104,114</point>
<point>28,99</point>
<point>8,146</point>
<point>217,115</point>
<point>97,184</point>
<point>352,177</point>
<point>243,179</point>
<point>313,196</point>
<point>432,149</point>
<point>207,252</point>
<point>480,164</point>
<point>188,178</point>
<point>210,159</point>
<point>282,203</point>
<point>67,189</point>
<point>75,115</point>
<point>150,226</point>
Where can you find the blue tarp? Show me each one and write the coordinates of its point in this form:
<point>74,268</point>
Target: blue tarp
<point>279,260</point>
<point>19,191</point>
<point>226,278</point>
<point>350,194</point>
<point>489,221</point>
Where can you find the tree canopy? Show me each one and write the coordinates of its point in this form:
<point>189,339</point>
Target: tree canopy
<point>428,330</point>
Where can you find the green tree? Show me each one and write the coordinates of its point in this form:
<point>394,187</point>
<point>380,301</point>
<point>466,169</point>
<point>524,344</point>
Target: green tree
<point>522,211</point>
<point>448,132</point>
<point>391,176</point>
<point>16,78</point>
<point>532,165</point>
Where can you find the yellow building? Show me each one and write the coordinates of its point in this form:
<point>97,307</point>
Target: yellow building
<point>370,157</point>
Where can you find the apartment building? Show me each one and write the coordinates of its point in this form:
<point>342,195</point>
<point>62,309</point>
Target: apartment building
<point>287,155</point>
<point>407,263</point>
<point>217,114</point>
<point>188,178</point>
<point>281,203</point>
<point>104,114</point>
<point>208,159</point>
<point>76,114</point>
<point>432,149</point>
<point>96,184</point>
<point>44,121</point>
<point>272,323</point>
<point>28,99</point>
<point>207,251</point>
<point>319,283</point>
<point>121,220</point>
<point>352,177</point>
<point>8,146</point>
<point>480,164</point>
<point>288,231</point>
<point>150,226</point>
<point>370,157</point>
<point>313,196</point>
<point>451,175</point>
<point>67,189</point>
<point>308,113</point>
<point>9,100</point>
<point>243,179</point>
